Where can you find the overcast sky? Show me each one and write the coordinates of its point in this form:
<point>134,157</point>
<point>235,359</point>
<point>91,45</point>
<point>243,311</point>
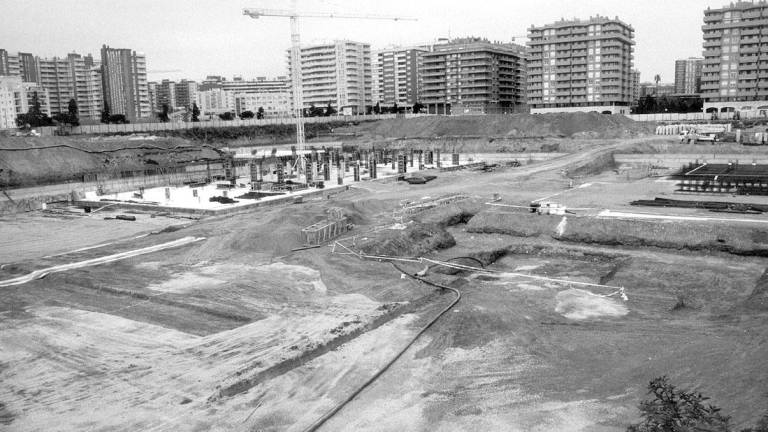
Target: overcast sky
<point>195,38</point>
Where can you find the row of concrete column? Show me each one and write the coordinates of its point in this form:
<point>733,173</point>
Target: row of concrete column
<point>318,164</point>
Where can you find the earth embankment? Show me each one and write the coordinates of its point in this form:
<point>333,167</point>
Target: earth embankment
<point>740,239</point>
<point>560,125</point>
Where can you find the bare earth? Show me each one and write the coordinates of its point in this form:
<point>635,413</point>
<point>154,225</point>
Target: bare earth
<point>236,332</point>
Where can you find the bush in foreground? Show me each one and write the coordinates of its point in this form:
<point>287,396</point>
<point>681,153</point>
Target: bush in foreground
<point>672,410</point>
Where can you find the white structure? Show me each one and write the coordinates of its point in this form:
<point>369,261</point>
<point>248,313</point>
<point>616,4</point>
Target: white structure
<point>13,101</point>
<point>396,72</point>
<point>274,104</point>
<point>338,73</point>
<point>215,101</point>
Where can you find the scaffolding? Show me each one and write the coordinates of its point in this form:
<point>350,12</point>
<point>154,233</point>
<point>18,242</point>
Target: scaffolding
<point>326,230</point>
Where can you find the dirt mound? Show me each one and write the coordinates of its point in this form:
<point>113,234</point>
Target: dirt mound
<point>46,160</point>
<point>741,240</point>
<point>411,240</point>
<point>570,125</point>
<point>599,164</point>
<point>451,214</point>
<point>758,299</point>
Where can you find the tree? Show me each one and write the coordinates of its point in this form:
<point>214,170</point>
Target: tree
<point>247,114</point>
<point>329,110</point>
<point>74,113</point>
<point>315,111</point>
<point>195,112</point>
<point>35,117</point>
<point>675,410</point>
<point>105,113</point>
<point>377,108</point>
<point>260,113</point>
<point>227,116</point>
<point>164,114</point>
<point>394,108</point>
<point>417,107</point>
<point>657,78</point>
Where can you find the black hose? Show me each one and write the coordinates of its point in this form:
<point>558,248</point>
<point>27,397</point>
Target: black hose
<point>328,415</point>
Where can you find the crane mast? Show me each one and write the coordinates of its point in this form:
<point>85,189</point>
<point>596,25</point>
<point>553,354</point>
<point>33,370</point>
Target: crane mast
<point>298,96</point>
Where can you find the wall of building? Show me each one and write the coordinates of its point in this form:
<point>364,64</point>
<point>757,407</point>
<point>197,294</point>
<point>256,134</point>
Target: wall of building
<point>474,76</point>
<point>580,63</point>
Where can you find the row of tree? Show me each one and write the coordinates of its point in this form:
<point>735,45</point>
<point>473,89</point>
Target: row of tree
<point>35,117</point>
<point>665,103</point>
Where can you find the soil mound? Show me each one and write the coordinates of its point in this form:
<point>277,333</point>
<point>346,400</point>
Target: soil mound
<point>569,125</point>
<point>411,240</point>
<point>758,300</point>
<point>741,240</point>
<point>46,160</point>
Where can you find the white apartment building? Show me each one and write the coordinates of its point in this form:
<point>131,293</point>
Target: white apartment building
<point>274,104</point>
<point>13,101</point>
<point>396,75</point>
<point>215,101</point>
<point>338,73</point>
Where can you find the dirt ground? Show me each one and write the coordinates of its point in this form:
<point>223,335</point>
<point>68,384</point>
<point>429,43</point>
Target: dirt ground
<point>239,332</point>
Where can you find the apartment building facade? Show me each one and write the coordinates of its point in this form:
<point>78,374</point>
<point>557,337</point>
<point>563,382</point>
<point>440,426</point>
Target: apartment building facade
<point>13,100</point>
<point>274,104</point>
<point>166,94</point>
<point>396,75</point>
<point>338,73</point>
<point>581,65</point>
<point>64,78</point>
<point>688,75</point>
<point>473,76</point>
<point>124,77</point>
<point>186,92</point>
<point>215,101</point>
<point>734,74</point>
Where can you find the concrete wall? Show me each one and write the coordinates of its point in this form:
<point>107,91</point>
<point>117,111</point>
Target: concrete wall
<point>614,109</point>
<point>677,160</point>
<point>26,199</point>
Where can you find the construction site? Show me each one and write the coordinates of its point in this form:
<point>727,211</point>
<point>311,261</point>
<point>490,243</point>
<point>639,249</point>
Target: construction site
<point>517,272</point>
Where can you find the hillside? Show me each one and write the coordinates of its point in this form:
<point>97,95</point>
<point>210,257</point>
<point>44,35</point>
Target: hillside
<point>561,125</point>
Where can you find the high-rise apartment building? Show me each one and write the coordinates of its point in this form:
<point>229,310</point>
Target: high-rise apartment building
<point>581,65</point>
<point>338,73</point>
<point>635,88</point>
<point>13,100</point>
<point>734,74</point>
<point>473,75</point>
<point>28,68</point>
<point>396,77</point>
<point>688,75</point>
<point>74,77</point>
<point>5,66</point>
<point>124,77</point>
<point>186,92</point>
<point>166,95</point>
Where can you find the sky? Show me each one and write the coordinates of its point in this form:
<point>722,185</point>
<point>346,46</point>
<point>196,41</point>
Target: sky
<point>195,38</point>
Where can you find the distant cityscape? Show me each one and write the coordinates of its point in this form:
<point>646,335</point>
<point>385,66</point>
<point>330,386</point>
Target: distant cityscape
<point>566,66</point>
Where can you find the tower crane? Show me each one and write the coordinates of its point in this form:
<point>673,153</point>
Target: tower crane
<point>294,15</point>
